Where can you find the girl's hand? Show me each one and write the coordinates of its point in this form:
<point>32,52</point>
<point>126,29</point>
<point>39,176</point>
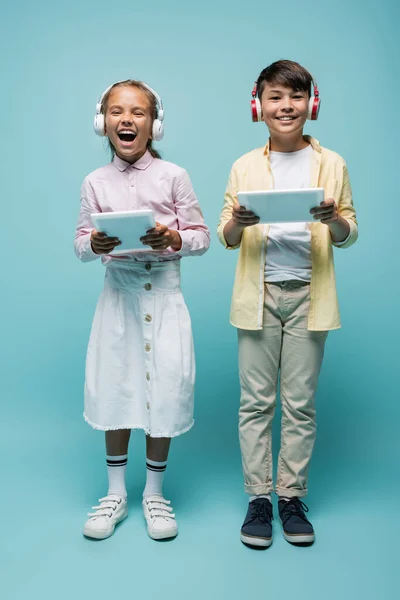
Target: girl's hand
<point>326,212</point>
<point>101,243</point>
<point>160,238</point>
<point>242,217</point>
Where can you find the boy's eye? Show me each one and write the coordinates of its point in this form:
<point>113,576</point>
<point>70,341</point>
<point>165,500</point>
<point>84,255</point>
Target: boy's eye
<point>115,112</point>
<point>275,98</point>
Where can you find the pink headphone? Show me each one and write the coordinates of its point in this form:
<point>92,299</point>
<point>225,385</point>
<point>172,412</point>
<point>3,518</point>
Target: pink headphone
<point>313,107</point>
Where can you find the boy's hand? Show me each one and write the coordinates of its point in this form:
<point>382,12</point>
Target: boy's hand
<point>160,238</point>
<point>326,212</point>
<point>243,217</point>
<point>101,243</point>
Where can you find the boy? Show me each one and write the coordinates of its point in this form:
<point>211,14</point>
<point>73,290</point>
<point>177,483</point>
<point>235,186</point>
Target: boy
<point>284,297</point>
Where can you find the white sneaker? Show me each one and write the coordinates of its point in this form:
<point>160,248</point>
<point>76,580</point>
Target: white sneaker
<point>159,517</point>
<point>112,510</point>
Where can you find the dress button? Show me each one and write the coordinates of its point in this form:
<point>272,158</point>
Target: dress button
<point>148,405</point>
<point>147,287</point>
<point>148,267</point>
<point>148,318</point>
<point>147,347</point>
<point>148,376</point>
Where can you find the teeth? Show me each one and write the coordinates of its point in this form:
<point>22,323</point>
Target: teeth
<point>127,131</point>
<point>285,118</point>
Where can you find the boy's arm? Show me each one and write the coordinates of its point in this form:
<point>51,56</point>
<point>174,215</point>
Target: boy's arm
<point>340,217</point>
<point>347,212</point>
<point>234,218</point>
<point>229,234</point>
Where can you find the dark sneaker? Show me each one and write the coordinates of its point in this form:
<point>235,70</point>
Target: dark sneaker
<point>297,529</point>
<point>257,528</point>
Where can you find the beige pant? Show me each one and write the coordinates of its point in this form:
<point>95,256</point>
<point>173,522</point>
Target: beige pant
<point>283,344</point>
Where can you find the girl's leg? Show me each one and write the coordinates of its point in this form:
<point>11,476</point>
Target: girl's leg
<point>112,508</point>
<point>156,462</point>
<point>157,511</point>
<point>117,442</point>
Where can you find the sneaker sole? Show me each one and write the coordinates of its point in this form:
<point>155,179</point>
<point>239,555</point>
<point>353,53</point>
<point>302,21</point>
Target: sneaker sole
<point>103,535</point>
<point>255,541</point>
<point>169,534</point>
<point>299,538</point>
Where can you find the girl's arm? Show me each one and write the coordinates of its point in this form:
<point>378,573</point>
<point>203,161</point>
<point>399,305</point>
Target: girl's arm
<point>194,233</point>
<point>84,228</point>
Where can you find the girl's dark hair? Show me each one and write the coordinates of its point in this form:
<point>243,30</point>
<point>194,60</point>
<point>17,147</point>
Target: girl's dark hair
<point>153,108</point>
<point>287,73</point>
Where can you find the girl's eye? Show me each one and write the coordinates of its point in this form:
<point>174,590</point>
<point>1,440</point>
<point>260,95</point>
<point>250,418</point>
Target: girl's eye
<point>138,114</point>
<point>275,98</point>
<point>115,112</point>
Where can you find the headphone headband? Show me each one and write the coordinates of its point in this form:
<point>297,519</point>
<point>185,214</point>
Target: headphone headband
<point>159,103</point>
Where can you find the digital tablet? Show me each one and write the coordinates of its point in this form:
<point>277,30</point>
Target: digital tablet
<point>282,206</point>
<point>127,226</point>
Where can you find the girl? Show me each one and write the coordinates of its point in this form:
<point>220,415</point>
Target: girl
<point>140,366</point>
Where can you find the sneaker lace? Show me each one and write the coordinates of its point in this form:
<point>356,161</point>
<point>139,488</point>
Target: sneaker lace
<point>160,508</point>
<point>261,511</point>
<point>108,505</point>
<point>295,507</point>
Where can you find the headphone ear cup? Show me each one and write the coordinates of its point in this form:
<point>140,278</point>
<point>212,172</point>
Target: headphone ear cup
<point>158,130</point>
<point>99,124</point>
<point>313,108</point>
<point>255,106</point>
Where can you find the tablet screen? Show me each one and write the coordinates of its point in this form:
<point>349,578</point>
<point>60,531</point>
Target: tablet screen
<point>127,226</point>
<point>282,206</point>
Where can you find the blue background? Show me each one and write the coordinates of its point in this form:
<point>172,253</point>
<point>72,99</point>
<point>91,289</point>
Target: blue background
<point>56,58</point>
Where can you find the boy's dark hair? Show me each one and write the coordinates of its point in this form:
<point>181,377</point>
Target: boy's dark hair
<point>153,109</point>
<point>287,73</point>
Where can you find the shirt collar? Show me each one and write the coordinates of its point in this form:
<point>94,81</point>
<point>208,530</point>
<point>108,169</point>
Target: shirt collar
<point>315,145</point>
<point>142,164</point>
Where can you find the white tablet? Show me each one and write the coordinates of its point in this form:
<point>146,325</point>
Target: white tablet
<point>127,226</point>
<point>282,206</point>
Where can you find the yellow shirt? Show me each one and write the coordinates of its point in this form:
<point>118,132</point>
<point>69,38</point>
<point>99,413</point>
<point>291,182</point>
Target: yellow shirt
<point>253,172</point>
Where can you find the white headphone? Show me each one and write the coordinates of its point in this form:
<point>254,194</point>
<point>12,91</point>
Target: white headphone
<point>313,106</point>
<point>158,124</point>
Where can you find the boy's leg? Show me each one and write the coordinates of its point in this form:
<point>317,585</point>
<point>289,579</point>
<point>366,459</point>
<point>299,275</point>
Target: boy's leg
<point>259,356</point>
<point>301,359</point>
<point>157,511</point>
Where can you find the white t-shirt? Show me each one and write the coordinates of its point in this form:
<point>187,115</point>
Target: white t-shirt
<point>289,244</point>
